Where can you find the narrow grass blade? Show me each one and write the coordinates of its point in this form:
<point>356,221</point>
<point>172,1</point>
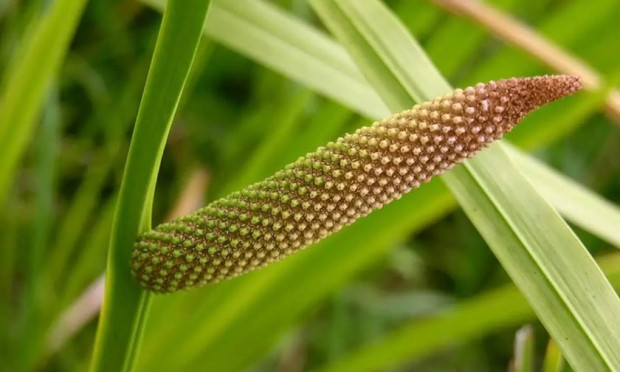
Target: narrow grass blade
<point>579,308</point>
<point>125,305</point>
<point>577,305</point>
<point>554,361</point>
<point>35,298</point>
<point>27,79</point>
<point>524,354</point>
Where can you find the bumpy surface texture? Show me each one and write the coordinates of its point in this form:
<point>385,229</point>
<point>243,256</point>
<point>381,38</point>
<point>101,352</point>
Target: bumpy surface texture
<point>335,185</point>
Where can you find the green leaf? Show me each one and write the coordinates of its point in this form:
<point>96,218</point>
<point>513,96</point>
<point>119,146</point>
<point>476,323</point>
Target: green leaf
<point>578,307</point>
<point>34,307</point>
<point>27,79</point>
<point>125,305</point>
<point>573,201</point>
<point>554,361</point>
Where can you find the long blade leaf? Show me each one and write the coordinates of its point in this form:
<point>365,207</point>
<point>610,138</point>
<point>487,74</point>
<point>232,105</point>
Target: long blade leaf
<point>579,308</point>
<point>125,304</point>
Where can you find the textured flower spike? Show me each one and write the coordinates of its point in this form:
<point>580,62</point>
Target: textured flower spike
<point>335,185</point>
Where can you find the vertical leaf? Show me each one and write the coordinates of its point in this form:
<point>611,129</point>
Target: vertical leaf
<point>125,305</point>
<point>33,309</point>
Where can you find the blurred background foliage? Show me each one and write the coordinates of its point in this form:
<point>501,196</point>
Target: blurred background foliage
<point>240,121</point>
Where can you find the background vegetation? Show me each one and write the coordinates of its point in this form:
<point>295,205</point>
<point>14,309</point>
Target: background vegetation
<point>413,287</point>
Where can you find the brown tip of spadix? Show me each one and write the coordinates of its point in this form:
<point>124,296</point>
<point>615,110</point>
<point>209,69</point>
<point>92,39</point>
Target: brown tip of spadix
<point>540,90</point>
<point>524,95</point>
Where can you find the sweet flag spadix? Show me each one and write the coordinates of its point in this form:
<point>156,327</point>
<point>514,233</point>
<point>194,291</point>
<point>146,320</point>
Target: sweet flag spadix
<point>332,187</point>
